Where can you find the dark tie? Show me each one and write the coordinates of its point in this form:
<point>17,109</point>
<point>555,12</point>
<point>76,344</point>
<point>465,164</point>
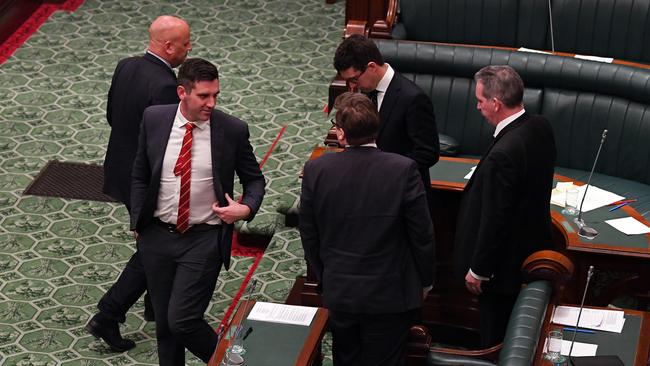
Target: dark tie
<point>183,169</point>
<point>373,97</point>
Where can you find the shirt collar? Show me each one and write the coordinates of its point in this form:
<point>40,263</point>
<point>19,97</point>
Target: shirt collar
<point>508,120</point>
<point>160,58</point>
<point>385,81</point>
<point>181,120</point>
<point>370,144</point>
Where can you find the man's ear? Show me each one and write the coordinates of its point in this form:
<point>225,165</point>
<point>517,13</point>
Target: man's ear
<point>340,136</point>
<point>180,90</point>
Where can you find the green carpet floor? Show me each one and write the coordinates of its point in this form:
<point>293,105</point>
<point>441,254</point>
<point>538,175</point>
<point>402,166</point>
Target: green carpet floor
<point>58,256</point>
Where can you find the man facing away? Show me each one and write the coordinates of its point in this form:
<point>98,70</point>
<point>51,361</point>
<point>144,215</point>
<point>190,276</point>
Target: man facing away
<point>138,82</point>
<point>407,123</point>
<point>368,236</point>
<point>505,210</point>
<point>182,210</point>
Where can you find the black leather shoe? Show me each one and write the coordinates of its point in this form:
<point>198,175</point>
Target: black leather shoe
<point>148,309</point>
<point>109,331</point>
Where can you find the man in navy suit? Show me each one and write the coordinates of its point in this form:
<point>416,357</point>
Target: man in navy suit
<point>182,210</point>
<point>505,211</point>
<point>367,234</point>
<point>408,125</point>
<point>138,82</point>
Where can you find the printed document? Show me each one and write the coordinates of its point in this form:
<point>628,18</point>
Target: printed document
<point>280,313</point>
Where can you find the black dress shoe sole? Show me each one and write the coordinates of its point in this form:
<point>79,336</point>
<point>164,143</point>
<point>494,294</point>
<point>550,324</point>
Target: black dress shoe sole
<point>90,329</point>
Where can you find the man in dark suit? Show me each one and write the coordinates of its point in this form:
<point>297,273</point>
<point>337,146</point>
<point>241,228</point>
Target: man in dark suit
<point>408,125</point>
<point>182,210</point>
<point>368,236</point>
<point>138,82</point>
<point>504,214</point>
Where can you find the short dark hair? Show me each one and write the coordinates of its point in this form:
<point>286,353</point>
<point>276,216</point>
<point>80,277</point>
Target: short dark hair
<point>356,51</point>
<point>501,82</point>
<point>196,69</point>
<point>357,116</point>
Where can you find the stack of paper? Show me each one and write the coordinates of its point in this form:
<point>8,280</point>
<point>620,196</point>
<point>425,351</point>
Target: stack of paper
<point>598,319</point>
<point>471,171</point>
<point>629,226</point>
<point>280,313</point>
<point>596,197</point>
<point>579,349</point>
<point>558,194</point>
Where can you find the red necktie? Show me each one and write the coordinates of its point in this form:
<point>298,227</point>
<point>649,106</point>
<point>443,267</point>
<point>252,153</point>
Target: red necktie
<point>183,169</point>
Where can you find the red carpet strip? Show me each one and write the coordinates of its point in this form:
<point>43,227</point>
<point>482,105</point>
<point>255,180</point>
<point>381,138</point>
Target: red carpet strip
<point>251,249</point>
<point>31,25</point>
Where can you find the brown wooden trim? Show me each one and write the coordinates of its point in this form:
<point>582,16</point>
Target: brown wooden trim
<point>447,186</point>
<point>308,352</point>
<point>459,160</point>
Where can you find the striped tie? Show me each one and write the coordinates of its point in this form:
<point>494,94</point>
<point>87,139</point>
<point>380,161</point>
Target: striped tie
<point>183,169</point>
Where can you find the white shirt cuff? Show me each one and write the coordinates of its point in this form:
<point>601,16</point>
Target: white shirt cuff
<point>482,278</point>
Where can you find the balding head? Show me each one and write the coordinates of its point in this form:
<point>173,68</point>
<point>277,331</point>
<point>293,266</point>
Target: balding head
<point>169,38</point>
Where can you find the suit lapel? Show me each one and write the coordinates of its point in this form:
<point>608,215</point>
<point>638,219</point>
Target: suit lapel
<point>216,148</point>
<point>390,98</point>
<point>162,139</point>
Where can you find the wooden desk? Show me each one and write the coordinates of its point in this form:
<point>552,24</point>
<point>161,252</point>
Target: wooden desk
<point>637,327</point>
<point>267,333</point>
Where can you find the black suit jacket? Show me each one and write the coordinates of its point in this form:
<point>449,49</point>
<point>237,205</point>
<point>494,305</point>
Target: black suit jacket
<point>505,211</point>
<point>366,230</point>
<point>408,125</point>
<point>231,152</point>
<point>138,82</point>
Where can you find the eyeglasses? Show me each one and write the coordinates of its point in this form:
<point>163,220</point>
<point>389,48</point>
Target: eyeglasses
<point>355,79</point>
<point>334,124</point>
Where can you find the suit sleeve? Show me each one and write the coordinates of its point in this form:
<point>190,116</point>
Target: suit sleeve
<point>307,223</point>
<point>166,94</point>
<point>422,130</point>
<point>109,103</point>
<point>419,225</point>
<point>498,202</point>
<point>140,174</point>
<point>250,175</point>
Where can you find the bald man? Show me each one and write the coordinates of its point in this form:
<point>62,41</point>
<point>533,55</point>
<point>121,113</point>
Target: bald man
<point>138,82</point>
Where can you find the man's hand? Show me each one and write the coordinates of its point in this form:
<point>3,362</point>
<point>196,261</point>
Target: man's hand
<point>135,235</point>
<point>232,212</point>
<point>473,284</point>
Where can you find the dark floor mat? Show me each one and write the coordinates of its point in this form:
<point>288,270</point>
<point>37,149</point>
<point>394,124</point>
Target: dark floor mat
<point>69,180</point>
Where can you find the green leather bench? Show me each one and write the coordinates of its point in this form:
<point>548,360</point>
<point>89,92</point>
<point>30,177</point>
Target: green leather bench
<point>580,98</point>
<point>615,28</point>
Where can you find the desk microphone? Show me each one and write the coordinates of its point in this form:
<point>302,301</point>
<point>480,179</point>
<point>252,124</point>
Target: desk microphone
<point>590,273</point>
<point>584,230</point>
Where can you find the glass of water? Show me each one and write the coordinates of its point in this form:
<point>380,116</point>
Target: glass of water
<point>554,347</point>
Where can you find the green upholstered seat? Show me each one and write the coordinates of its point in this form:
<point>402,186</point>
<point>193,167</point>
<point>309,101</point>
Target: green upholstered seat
<point>614,28</point>
<point>522,334</point>
<point>579,97</point>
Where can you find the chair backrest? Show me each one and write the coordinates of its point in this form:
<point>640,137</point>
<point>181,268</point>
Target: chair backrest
<point>525,324</point>
<point>579,97</point>
<point>608,28</point>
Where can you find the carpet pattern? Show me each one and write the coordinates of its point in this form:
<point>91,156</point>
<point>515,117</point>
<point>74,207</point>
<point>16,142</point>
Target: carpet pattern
<point>58,256</point>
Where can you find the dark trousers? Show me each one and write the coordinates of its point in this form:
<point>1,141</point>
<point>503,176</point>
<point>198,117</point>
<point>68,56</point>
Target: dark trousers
<point>370,339</point>
<point>126,290</point>
<point>495,309</point>
<point>182,271</point>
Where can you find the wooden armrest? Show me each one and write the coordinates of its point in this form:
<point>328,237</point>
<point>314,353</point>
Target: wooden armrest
<point>356,27</point>
<point>491,353</point>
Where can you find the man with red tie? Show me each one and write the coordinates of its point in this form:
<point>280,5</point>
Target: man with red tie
<point>182,210</point>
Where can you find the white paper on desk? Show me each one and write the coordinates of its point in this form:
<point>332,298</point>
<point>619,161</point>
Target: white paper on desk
<point>607,60</point>
<point>579,349</point>
<point>280,313</point>
<point>471,171</point>
<point>596,197</point>
<point>598,319</point>
<point>530,50</point>
<point>629,226</point>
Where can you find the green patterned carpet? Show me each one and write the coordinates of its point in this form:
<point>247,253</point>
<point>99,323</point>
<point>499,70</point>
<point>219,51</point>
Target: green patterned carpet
<point>58,256</point>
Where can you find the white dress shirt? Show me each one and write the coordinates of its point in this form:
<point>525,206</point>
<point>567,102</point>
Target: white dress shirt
<point>201,187</point>
<point>506,121</point>
<point>383,85</point>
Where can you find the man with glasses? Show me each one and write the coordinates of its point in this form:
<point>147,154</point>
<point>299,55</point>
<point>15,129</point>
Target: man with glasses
<point>407,123</point>
<point>371,250</point>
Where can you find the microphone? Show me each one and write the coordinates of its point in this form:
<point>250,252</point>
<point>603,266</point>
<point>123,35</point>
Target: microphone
<point>590,273</point>
<point>585,231</point>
